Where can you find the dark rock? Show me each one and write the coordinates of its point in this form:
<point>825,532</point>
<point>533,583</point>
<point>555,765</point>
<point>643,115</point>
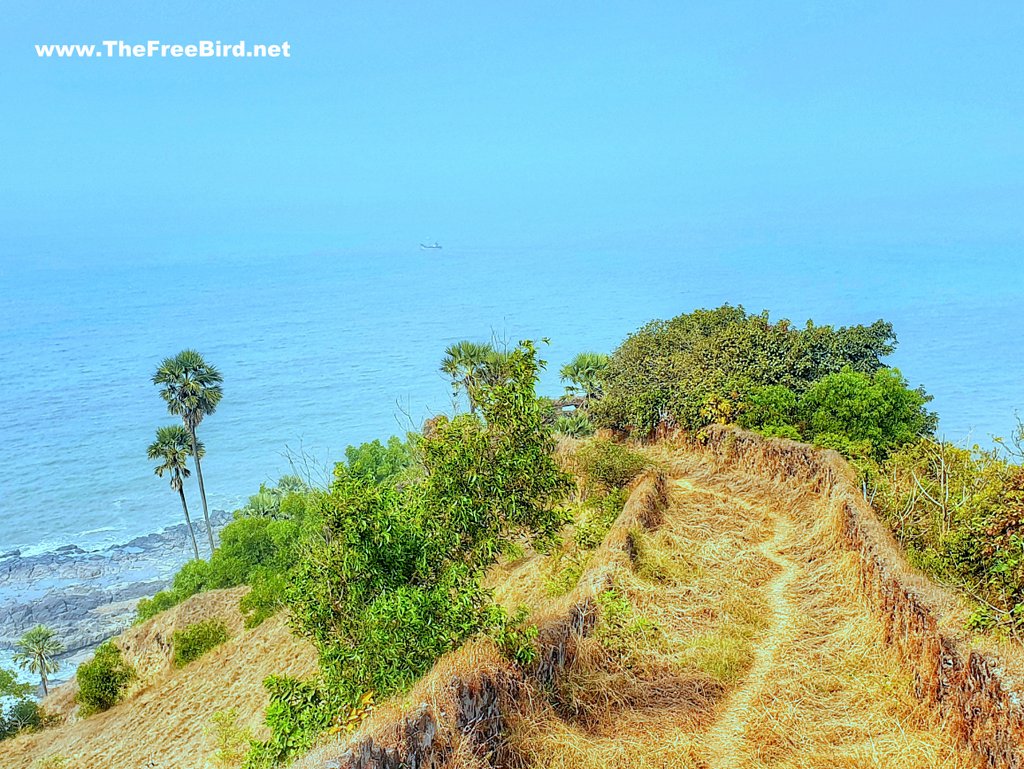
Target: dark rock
<point>87,597</point>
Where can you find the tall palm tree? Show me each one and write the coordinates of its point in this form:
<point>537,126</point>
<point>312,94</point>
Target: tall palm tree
<point>464,362</point>
<point>173,447</point>
<point>35,652</point>
<point>191,388</point>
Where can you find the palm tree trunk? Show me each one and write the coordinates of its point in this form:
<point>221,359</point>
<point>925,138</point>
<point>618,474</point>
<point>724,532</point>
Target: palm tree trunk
<point>468,385</point>
<point>42,679</point>
<point>202,488</point>
<point>188,522</point>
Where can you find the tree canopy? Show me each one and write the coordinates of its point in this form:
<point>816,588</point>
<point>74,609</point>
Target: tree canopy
<point>683,371</point>
<point>36,651</point>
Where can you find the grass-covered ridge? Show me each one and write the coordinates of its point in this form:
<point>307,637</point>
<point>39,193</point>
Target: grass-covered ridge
<point>418,544</point>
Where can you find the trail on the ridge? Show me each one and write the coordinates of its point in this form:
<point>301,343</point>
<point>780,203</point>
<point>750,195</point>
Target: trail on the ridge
<point>723,739</point>
<point>747,602</point>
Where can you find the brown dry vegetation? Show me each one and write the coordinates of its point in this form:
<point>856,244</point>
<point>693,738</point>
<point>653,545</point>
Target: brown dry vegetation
<point>733,627</point>
<point>164,720</point>
<point>763,653</point>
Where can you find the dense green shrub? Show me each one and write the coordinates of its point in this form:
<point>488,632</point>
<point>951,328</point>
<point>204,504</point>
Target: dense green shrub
<point>298,712</point>
<point>103,680</point>
<point>394,572</point>
<point>770,408</point>
<point>605,465</point>
<point>192,642</point>
<point>860,415</point>
<point>21,715</point>
<point>865,414</point>
<point>671,371</point>
<point>515,636</point>
<point>576,425</point>
<point>376,462</point>
<point>254,550</point>
<point>960,515</point>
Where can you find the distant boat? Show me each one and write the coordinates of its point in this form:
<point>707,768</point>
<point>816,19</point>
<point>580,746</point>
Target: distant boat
<point>436,245</point>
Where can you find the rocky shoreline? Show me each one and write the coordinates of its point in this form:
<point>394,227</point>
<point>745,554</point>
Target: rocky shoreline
<point>89,596</point>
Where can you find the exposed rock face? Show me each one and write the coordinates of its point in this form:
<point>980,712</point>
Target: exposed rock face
<point>977,688</point>
<point>87,597</point>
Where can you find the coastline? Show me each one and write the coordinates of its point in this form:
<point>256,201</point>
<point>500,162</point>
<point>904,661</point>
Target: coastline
<point>88,596</point>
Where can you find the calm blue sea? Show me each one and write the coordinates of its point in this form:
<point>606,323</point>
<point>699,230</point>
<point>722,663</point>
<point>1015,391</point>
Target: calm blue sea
<point>325,350</point>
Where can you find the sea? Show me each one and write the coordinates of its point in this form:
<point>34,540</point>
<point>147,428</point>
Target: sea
<point>325,349</point>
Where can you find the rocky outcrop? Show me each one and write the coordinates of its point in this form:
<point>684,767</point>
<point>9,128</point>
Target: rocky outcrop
<point>975,685</point>
<point>87,597</point>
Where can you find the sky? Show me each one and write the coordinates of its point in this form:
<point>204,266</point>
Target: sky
<point>542,124</point>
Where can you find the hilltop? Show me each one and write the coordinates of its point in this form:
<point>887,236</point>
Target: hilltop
<point>687,560</point>
<point>727,622</point>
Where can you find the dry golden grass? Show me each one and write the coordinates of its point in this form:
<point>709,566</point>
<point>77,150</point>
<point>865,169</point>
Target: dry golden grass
<point>732,633</point>
<point>163,723</point>
<point>763,652</point>
<point>836,695</point>
<point>641,696</point>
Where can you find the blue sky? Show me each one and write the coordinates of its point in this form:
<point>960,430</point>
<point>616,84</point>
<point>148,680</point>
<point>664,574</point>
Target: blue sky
<point>547,124</point>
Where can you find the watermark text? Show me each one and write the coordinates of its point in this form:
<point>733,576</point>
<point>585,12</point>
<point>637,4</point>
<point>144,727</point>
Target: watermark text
<point>154,49</point>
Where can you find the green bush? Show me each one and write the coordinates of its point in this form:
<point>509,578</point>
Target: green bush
<point>606,465</point>
<point>959,512</point>
<point>103,680</point>
<point>253,550</point>
<point>515,636</point>
<point>860,415</point>
<point>192,642</point>
<point>376,462</point>
<point>575,425</point>
<point>393,573</point>
<point>298,712</point>
<point>150,607</point>
<point>769,408</point>
<point>21,715</point>
<point>669,371</point>
<point>874,413</point>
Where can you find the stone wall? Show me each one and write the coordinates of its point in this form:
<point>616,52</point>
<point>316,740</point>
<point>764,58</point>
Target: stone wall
<point>975,685</point>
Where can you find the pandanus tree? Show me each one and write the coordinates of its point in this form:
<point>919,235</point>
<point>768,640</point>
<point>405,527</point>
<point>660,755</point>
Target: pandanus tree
<point>36,651</point>
<point>191,387</point>
<point>172,448</point>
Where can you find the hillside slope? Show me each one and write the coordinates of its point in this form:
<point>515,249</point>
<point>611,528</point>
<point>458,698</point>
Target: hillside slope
<point>164,720</point>
<point>727,621</point>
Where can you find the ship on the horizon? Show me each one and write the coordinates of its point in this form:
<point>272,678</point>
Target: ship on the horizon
<point>436,245</point>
